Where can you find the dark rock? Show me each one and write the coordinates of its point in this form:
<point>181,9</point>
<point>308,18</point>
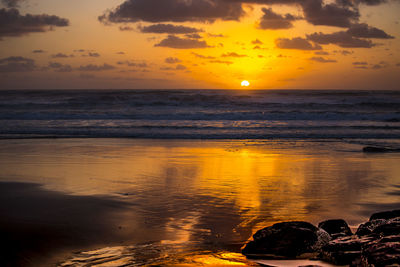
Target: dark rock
<point>382,252</point>
<point>390,228</point>
<point>343,250</point>
<point>368,227</point>
<point>286,240</point>
<point>335,228</point>
<point>385,215</point>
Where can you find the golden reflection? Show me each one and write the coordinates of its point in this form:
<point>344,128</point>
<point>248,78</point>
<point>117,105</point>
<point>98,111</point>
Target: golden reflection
<point>222,190</point>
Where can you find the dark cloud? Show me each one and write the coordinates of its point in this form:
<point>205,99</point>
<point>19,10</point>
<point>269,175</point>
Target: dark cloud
<point>168,28</point>
<point>296,43</point>
<point>342,39</point>
<point>92,67</point>
<point>317,13</point>
<point>322,60</point>
<point>61,55</point>
<point>232,54</point>
<point>38,51</point>
<point>12,23</point>
<point>363,30</point>
<point>11,3</point>
<point>56,66</point>
<point>273,21</point>
<point>179,43</point>
<point>120,53</point>
<point>17,64</point>
<point>173,10</point>
<point>202,56</point>
<point>172,60</point>
<point>360,63</point>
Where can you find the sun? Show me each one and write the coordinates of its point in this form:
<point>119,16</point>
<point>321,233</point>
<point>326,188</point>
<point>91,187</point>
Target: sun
<point>245,83</point>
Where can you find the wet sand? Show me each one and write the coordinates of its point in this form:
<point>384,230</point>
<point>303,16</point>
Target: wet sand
<point>37,225</point>
<point>197,198</point>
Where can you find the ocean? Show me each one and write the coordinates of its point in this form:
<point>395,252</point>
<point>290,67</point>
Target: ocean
<point>201,114</point>
<point>185,177</point>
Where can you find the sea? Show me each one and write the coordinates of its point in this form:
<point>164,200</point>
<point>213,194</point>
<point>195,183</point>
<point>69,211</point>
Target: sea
<point>201,114</point>
<point>185,177</point>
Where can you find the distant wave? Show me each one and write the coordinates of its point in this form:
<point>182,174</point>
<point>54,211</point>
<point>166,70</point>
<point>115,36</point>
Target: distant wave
<point>206,114</point>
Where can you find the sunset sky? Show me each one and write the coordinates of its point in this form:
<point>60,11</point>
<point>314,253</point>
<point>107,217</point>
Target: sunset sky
<point>134,44</point>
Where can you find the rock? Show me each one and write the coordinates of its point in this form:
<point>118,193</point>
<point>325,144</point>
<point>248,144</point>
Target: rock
<point>336,228</point>
<point>382,252</point>
<point>385,215</point>
<point>387,229</point>
<point>286,240</point>
<point>368,227</point>
<point>343,250</point>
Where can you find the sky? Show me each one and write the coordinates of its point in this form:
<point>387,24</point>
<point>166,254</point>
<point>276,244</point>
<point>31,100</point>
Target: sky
<point>200,44</point>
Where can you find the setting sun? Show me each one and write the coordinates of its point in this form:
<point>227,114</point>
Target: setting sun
<point>245,83</point>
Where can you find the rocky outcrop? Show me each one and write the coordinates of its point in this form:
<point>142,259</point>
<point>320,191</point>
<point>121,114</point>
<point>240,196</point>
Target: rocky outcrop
<point>286,240</point>
<point>376,242</point>
<point>335,228</point>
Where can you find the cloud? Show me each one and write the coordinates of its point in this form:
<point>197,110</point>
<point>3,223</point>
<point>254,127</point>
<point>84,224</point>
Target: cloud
<point>273,21</point>
<point>17,64</point>
<point>60,67</point>
<point>173,10</point>
<point>38,51</point>
<point>322,60</point>
<point>180,67</point>
<point>92,67</point>
<point>296,43</point>
<point>321,53</point>
<point>256,41</point>
<point>360,63</point>
<point>168,28</point>
<point>93,54</point>
<point>318,13</point>
<point>11,3</point>
<point>216,35</point>
<point>342,39</point>
<point>172,60</point>
<point>363,30</point>
<point>133,64</point>
<point>232,54</point>
<point>222,62</point>
<point>179,43</point>
<point>193,36</point>
<point>202,56</point>
<point>61,55</point>
<point>126,28</point>
<point>13,24</point>
<point>120,53</point>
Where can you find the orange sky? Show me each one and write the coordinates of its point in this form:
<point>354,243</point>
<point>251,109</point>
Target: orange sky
<point>337,44</point>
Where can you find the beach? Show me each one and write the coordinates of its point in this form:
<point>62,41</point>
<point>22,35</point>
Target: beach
<point>60,197</point>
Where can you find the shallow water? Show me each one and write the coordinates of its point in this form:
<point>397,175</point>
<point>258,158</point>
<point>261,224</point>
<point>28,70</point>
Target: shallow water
<point>206,197</point>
